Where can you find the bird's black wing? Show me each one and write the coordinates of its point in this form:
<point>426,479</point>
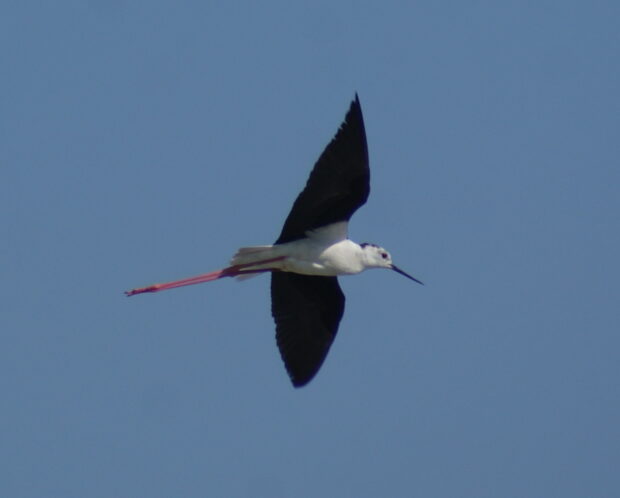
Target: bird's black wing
<point>338,184</point>
<point>307,311</point>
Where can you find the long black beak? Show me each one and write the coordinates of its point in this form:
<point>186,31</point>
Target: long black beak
<point>398,270</point>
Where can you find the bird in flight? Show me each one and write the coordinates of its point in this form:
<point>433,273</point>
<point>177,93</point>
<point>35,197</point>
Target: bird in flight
<point>312,250</point>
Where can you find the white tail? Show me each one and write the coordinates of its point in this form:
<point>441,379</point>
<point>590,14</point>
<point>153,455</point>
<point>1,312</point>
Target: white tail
<point>245,276</point>
<point>254,254</point>
<point>264,258</point>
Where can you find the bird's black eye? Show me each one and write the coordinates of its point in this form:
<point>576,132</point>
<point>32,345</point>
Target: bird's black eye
<point>384,255</point>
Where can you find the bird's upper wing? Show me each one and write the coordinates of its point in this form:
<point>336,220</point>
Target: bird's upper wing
<point>338,184</point>
<point>307,311</point>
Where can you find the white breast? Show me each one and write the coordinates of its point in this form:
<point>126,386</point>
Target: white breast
<point>315,256</point>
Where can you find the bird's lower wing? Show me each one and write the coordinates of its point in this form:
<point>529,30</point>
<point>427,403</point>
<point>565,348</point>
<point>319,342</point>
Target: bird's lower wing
<point>307,311</point>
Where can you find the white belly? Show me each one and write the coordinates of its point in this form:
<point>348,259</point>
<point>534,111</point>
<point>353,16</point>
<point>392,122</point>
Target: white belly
<point>312,257</point>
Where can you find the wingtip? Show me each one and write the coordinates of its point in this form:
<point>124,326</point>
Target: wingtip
<point>297,384</point>
<point>355,110</point>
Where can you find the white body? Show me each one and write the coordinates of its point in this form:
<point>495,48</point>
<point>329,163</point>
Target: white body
<point>324,252</point>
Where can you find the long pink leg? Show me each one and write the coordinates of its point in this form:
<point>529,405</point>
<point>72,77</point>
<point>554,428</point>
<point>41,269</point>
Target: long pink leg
<point>230,271</point>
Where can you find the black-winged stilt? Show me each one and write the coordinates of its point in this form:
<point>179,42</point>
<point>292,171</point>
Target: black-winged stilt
<point>312,250</point>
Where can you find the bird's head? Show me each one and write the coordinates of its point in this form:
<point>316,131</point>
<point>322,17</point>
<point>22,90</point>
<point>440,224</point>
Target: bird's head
<point>378,257</point>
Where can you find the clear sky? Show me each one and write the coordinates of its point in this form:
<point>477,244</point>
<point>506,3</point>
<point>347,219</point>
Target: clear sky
<point>147,141</point>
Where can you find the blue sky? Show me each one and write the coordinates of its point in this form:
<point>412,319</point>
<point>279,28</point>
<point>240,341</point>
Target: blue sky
<point>146,141</point>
